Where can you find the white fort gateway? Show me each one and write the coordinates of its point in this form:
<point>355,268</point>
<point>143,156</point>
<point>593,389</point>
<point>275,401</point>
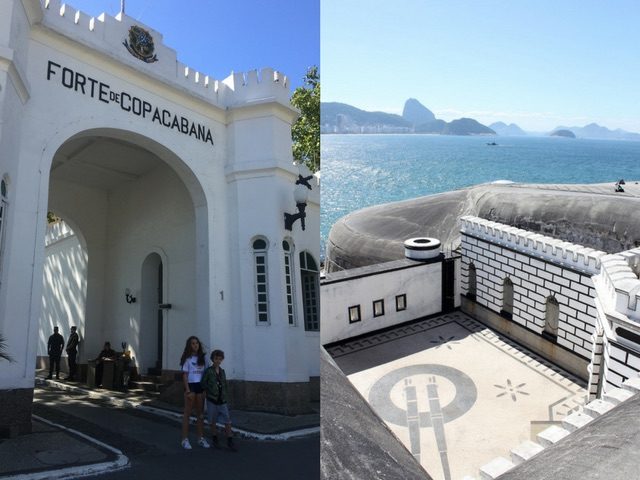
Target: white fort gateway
<point>172,189</point>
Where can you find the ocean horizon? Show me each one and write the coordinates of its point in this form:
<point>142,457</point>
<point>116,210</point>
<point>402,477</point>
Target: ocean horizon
<point>361,170</point>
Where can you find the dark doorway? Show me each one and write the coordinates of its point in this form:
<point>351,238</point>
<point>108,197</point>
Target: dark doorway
<point>448,285</point>
<point>160,314</point>
<point>152,316</point>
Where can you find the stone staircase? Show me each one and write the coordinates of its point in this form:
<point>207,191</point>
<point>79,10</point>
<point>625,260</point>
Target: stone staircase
<point>555,433</point>
<point>147,385</point>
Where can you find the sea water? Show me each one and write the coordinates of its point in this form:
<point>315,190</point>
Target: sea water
<point>363,170</point>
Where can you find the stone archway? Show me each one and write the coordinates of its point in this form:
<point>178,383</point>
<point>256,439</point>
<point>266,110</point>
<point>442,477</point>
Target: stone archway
<point>131,196</point>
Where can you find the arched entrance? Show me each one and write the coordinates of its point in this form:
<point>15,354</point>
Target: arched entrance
<point>131,196</point>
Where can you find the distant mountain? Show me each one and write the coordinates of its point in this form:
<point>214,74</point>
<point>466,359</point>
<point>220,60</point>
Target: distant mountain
<point>416,113</point>
<point>437,126</point>
<point>466,126</point>
<point>597,132</point>
<point>563,133</point>
<point>416,118</point>
<point>505,130</point>
<point>342,118</point>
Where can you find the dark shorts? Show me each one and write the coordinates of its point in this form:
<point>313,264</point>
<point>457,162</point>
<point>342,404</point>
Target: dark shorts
<point>195,388</point>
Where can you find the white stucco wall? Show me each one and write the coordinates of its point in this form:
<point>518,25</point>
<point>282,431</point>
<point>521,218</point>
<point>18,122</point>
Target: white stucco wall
<point>421,283</point>
<point>198,209</point>
<point>64,284</point>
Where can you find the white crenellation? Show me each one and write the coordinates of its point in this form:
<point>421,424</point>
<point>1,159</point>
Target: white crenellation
<point>106,34</point>
<point>621,283</point>
<point>563,253</point>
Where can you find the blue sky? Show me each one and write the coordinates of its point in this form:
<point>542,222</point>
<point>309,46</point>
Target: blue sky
<point>218,37</point>
<point>538,63</point>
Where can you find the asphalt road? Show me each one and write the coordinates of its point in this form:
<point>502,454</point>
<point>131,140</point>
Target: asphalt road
<point>152,444</point>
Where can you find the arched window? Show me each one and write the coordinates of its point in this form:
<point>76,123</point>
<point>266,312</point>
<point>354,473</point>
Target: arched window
<point>3,215</point>
<point>551,315</point>
<point>310,275</point>
<point>507,298</point>
<point>288,280</point>
<point>262,281</point>
<point>473,282</point>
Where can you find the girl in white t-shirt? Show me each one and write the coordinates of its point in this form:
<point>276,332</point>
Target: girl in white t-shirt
<point>193,364</point>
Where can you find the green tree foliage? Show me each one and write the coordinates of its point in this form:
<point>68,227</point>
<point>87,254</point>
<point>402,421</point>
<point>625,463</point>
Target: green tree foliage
<point>306,131</point>
<point>52,218</point>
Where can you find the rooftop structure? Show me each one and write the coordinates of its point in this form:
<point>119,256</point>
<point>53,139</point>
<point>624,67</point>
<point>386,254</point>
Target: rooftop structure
<point>573,306</point>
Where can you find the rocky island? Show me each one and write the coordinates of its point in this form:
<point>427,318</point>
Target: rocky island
<point>563,133</point>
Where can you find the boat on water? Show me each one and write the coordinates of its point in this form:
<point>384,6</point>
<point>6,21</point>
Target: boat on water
<point>492,144</point>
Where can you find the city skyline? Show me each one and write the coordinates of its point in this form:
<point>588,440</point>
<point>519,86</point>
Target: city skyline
<point>537,64</point>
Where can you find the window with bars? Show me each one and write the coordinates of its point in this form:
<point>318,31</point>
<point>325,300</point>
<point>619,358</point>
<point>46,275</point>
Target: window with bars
<point>288,280</point>
<point>310,291</point>
<point>262,281</point>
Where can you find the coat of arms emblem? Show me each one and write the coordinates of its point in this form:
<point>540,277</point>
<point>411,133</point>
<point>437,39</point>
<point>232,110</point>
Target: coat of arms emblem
<point>140,44</point>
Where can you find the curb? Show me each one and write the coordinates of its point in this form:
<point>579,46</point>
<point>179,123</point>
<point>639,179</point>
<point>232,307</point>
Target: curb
<point>120,463</point>
<point>177,416</point>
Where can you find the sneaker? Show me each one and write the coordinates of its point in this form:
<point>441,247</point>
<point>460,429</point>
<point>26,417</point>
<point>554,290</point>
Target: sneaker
<point>185,444</point>
<point>203,443</point>
<point>214,440</point>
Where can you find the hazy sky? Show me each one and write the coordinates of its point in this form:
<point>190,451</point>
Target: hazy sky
<point>217,37</point>
<point>538,63</point>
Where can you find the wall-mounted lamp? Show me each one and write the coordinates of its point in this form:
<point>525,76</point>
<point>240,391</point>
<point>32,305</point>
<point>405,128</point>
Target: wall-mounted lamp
<point>300,195</point>
<point>129,296</point>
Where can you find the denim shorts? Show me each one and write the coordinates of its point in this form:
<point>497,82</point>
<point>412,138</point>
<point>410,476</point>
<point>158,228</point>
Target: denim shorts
<point>218,413</point>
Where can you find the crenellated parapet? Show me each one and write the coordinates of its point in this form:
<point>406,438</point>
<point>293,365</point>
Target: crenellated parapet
<point>249,87</point>
<point>562,253</point>
<point>107,34</point>
<point>619,277</point>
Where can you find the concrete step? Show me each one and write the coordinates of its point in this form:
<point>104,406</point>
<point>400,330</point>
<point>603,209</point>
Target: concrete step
<point>597,407</point>
<point>551,435</point>
<point>575,421</point>
<point>525,451</point>
<point>495,468</point>
<point>148,386</point>
<point>632,384</point>
<point>617,395</point>
<point>140,392</point>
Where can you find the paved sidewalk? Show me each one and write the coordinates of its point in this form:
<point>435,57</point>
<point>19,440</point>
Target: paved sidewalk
<point>54,451</point>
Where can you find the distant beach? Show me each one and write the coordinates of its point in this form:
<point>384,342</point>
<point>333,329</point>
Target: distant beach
<point>363,170</point>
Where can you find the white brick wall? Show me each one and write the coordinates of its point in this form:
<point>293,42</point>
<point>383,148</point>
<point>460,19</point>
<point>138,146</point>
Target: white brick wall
<point>620,364</point>
<point>536,271</point>
<point>540,266</point>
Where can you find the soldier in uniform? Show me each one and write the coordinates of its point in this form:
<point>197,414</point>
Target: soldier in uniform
<point>72,352</point>
<point>54,349</point>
